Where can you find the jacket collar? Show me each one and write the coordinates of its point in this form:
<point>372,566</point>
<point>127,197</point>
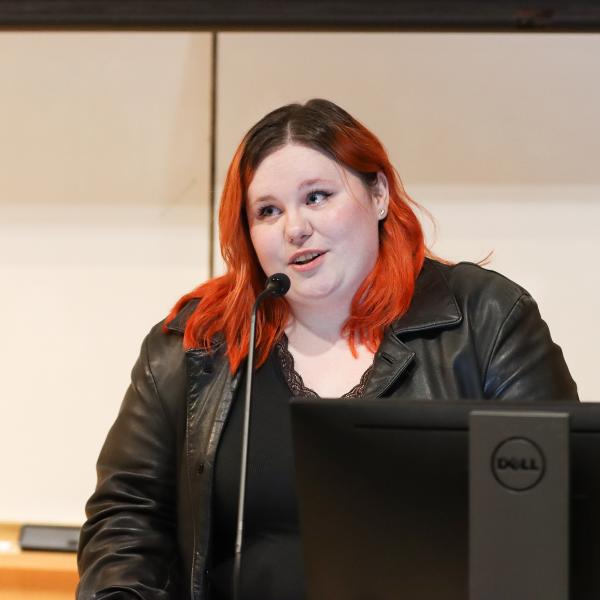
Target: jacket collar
<point>433,306</point>
<point>178,323</point>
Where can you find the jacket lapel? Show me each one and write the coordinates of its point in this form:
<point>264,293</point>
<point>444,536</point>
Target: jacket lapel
<point>433,306</point>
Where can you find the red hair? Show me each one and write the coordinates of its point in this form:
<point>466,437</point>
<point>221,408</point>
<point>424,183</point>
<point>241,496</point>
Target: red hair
<point>383,296</point>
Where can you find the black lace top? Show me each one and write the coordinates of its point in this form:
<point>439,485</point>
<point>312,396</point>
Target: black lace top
<point>272,566</point>
<point>294,379</point>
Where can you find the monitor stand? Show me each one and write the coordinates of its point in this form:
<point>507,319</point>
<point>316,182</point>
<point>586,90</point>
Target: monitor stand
<point>518,506</point>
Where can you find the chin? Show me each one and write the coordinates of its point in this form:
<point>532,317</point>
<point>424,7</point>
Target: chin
<point>306,292</point>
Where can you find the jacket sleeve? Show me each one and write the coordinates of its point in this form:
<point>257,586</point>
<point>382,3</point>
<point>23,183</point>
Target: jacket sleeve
<point>524,362</point>
<point>128,547</point>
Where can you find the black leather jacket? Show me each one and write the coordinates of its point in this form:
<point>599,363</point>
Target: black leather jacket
<point>469,333</point>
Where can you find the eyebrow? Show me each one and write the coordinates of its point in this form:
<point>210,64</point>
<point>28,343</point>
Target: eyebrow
<point>311,182</point>
<point>303,184</point>
<point>260,199</point>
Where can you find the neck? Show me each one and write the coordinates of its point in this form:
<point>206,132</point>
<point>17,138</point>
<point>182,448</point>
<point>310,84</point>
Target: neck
<point>316,327</point>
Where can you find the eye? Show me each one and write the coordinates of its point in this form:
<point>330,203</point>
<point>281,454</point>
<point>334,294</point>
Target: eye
<point>267,211</point>
<point>317,197</point>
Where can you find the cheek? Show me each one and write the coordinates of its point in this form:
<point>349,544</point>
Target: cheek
<point>355,223</point>
<point>264,244</point>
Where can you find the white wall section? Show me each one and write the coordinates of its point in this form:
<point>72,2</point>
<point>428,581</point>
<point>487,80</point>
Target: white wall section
<point>104,181</point>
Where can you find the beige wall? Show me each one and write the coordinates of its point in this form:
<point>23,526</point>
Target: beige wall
<point>104,162</point>
<point>104,216</point>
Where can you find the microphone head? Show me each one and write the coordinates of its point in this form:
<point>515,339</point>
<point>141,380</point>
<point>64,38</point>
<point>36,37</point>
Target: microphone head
<point>278,284</point>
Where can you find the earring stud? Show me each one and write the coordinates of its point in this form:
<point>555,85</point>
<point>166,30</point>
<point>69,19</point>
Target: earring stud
<point>382,212</point>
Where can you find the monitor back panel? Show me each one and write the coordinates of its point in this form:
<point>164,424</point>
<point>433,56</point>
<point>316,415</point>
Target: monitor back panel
<point>383,499</point>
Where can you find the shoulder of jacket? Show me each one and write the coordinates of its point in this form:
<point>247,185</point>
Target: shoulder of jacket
<point>471,283</point>
<point>179,322</point>
<point>164,359</point>
<point>167,338</point>
<point>165,353</point>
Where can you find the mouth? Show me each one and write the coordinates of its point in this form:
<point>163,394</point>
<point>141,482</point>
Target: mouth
<point>306,257</point>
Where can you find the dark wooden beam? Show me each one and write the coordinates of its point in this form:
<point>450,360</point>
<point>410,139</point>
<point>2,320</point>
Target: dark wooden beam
<point>349,15</point>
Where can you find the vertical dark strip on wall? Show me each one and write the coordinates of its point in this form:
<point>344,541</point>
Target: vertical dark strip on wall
<point>213,152</point>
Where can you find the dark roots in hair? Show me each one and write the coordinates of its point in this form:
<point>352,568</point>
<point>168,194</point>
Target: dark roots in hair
<point>318,124</point>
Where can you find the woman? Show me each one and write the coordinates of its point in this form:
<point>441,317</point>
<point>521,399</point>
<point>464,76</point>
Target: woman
<point>311,193</point>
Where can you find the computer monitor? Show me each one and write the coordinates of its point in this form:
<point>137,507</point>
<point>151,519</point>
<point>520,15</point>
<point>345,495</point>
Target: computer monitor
<point>383,492</point>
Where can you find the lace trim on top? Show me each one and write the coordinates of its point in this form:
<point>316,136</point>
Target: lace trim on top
<point>294,379</point>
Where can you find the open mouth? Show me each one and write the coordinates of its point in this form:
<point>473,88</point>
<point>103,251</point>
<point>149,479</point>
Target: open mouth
<point>307,258</point>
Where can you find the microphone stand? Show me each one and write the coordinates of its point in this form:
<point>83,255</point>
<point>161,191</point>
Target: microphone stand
<point>277,285</point>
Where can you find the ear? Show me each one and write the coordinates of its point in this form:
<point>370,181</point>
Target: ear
<point>381,195</point>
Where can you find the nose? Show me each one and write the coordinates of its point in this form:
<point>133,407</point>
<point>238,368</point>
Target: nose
<point>297,228</point>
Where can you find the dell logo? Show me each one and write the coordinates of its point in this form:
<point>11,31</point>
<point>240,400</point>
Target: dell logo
<point>518,464</point>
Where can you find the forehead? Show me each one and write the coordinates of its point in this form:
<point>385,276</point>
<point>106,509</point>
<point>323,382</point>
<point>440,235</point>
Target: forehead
<point>291,165</point>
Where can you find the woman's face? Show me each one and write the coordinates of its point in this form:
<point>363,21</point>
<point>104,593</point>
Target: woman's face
<point>316,221</point>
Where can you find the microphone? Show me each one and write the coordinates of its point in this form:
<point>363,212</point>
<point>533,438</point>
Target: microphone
<point>277,285</point>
